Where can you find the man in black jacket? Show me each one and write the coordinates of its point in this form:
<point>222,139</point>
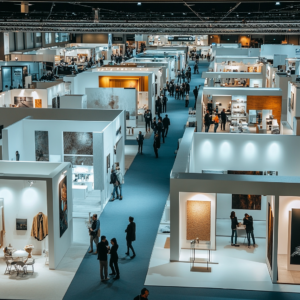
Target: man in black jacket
<point>223,119</point>
<point>248,221</point>
<point>164,104</point>
<point>156,144</point>
<point>160,129</point>
<point>102,250</point>
<point>207,121</point>
<point>166,123</point>
<point>143,296</point>
<point>148,119</point>
<point>195,92</point>
<point>130,236</point>
<point>140,140</point>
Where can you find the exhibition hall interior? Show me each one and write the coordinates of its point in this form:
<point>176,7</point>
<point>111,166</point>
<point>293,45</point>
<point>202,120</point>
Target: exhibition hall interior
<point>149,149</point>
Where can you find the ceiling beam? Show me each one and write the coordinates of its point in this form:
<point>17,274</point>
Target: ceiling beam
<point>153,1</point>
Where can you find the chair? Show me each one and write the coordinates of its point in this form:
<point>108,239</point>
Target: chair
<point>30,262</point>
<point>9,262</point>
<point>20,266</point>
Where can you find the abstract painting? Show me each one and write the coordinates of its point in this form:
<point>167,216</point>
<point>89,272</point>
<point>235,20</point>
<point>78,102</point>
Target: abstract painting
<point>295,237</point>
<point>113,98</point>
<point>198,220</point>
<point>245,172</point>
<point>23,102</point>
<point>78,143</point>
<point>41,146</point>
<point>78,160</point>
<point>270,235</point>
<point>252,202</point>
<point>63,206</point>
<point>38,103</point>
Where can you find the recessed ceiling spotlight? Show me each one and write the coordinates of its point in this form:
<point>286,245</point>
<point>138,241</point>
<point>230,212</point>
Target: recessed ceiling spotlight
<point>249,13</point>
<point>172,14</point>
<point>139,3</point>
<point>277,3</point>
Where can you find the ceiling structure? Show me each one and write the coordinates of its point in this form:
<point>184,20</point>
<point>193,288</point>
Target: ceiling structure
<point>178,17</point>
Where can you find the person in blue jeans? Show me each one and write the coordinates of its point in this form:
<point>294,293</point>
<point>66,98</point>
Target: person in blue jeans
<point>234,225</point>
<point>248,221</point>
<point>115,182</point>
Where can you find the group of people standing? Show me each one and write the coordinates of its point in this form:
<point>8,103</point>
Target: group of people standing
<point>103,248</point>
<point>207,121</point>
<point>248,222</point>
<point>116,58</point>
<point>184,75</point>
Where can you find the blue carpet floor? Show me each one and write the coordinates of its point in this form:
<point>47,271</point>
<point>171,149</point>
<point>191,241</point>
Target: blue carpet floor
<point>145,192</point>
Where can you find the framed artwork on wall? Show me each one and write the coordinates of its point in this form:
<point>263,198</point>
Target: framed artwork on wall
<point>21,224</point>
<point>23,102</point>
<point>38,103</point>
<point>107,163</point>
<point>63,206</point>
<point>270,235</point>
<point>41,146</point>
<point>295,242</point>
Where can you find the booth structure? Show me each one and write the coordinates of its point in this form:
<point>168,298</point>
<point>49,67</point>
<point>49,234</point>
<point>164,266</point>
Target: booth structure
<point>212,176</point>
<point>270,50</point>
<point>44,95</point>
<point>32,191</point>
<point>91,140</point>
<point>255,110</point>
<point>110,80</point>
<point>14,73</point>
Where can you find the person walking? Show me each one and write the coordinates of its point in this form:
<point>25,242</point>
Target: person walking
<point>172,88</point>
<point>178,76</point>
<point>120,181</point>
<point>207,121</point>
<point>113,262</point>
<point>183,75</point>
<point>195,92</point>
<point>154,125</point>
<point>234,225</point>
<point>248,221</point>
<point>94,232</point>
<point>187,88</point>
<point>148,120</point>
<point>216,120</point>
<point>223,119</point>
<point>166,123</point>
<point>140,140</point>
<point>164,104</point>
<point>160,129</point>
<point>102,250</point>
<point>130,236</point>
<point>177,92</point>
<point>156,144</point>
<point>143,296</point>
<point>187,100</point>
<point>115,183</point>
<point>182,90</point>
<point>159,106</point>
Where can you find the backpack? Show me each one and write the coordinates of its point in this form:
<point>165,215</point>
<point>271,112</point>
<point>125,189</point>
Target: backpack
<point>113,178</point>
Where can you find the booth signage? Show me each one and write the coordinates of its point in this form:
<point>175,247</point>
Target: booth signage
<point>117,39</point>
<point>297,51</point>
<point>181,38</point>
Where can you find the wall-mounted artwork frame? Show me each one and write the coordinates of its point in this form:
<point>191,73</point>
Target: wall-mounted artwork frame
<point>107,162</point>
<point>38,103</point>
<point>41,146</point>
<point>21,224</point>
<point>23,102</point>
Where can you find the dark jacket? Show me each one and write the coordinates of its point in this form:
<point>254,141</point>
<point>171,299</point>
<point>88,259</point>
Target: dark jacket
<point>156,142</point>
<point>223,116</point>
<point>234,223</point>
<point>148,117</point>
<point>195,91</point>
<point>140,138</point>
<point>207,119</point>
<point>164,101</point>
<point>160,127</point>
<point>113,253</point>
<point>139,297</point>
<point>102,250</point>
<point>249,224</point>
<point>166,122</point>
<point>130,236</point>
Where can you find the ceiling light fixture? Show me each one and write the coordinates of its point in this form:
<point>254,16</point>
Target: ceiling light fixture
<point>139,3</point>
<point>277,3</point>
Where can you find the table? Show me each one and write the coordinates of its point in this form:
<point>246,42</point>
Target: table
<point>241,230</point>
<point>19,255</point>
<point>195,246</point>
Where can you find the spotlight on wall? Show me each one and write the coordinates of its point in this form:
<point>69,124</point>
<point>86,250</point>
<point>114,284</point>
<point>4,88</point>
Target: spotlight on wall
<point>64,172</point>
<point>31,182</point>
